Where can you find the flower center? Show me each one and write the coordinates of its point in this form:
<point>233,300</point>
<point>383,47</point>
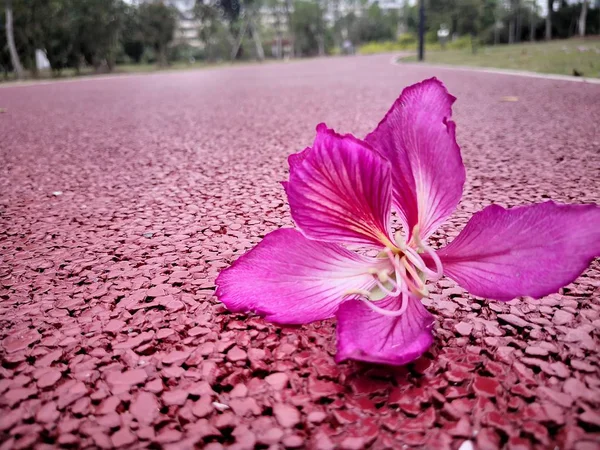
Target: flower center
<point>408,275</point>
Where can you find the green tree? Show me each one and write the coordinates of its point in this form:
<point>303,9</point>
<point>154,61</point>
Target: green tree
<point>10,39</point>
<point>56,24</point>
<point>71,32</point>
<point>208,14</point>
<point>27,33</point>
<point>550,6</point>
<point>158,22</point>
<point>375,25</point>
<point>309,28</point>
<point>248,25</point>
<point>132,37</point>
<point>469,14</point>
<point>97,25</point>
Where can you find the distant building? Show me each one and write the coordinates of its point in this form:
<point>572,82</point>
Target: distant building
<point>187,30</point>
<point>334,10</point>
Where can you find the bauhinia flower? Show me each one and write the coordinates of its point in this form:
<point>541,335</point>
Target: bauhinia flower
<point>341,193</point>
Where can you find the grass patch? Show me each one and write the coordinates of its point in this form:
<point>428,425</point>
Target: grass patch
<point>408,42</point>
<point>564,57</point>
<point>120,69</point>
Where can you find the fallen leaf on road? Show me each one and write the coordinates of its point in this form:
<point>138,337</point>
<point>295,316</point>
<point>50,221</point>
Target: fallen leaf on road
<point>510,98</point>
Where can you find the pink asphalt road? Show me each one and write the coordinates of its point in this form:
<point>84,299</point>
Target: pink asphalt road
<point>122,198</point>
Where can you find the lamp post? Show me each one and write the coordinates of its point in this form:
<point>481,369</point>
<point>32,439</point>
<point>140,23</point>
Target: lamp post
<point>421,30</point>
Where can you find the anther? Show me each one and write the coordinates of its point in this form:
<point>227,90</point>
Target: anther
<point>383,276</point>
<point>362,292</point>
<point>396,289</point>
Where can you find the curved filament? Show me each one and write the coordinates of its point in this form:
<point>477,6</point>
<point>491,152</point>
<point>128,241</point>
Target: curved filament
<point>384,312</point>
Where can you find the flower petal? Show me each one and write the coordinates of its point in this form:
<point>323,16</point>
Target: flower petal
<point>291,279</point>
<point>296,159</point>
<point>365,335</point>
<point>419,140</point>
<point>340,191</point>
<point>526,251</point>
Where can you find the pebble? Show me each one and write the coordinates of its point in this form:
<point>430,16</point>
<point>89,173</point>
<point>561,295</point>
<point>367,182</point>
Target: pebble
<point>562,317</point>
<point>145,408</point>
<point>277,381</point>
<point>463,328</point>
<point>236,354</point>
<point>286,415</point>
<point>514,320</point>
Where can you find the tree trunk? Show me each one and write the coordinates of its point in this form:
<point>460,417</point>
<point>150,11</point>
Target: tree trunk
<point>238,43</point>
<point>531,23</point>
<point>337,41</point>
<point>321,44</point>
<point>260,53</point>
<point>582,18</point>
<point>511,31</point>
<point>288,13</point>
<point>515,7</point>
<point>549,20</point>
<point>473,43</point>
<point>496,29</point>
<point>33,68</point>
<point>162,56</point>
<point>279,45</point>
<point>10,38</point>
<point>279,34</point>
<point>80,63</point>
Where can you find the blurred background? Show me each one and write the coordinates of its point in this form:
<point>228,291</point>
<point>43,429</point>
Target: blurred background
<point>43,38</point>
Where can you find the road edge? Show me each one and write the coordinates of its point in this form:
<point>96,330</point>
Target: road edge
<point>519,73</point>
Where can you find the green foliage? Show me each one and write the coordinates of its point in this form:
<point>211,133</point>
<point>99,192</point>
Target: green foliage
<point>408,42</point>
<point>230,8</point>
<point>158,22</point>
<point>219,46</point>
<point>92,32</point>
<point>405,42</point>
<point>309,28</point>
<point>375,25</point>
<point>469,14</point>
<point>213,32</point>
<point>479,18</point>
<point>461,43</point>
<point>98,24</point>
<point>5,62</point>
<point>70,31</point>
<point>371,48</point>
<point>57,35</point>
<point>564,21</point>
<point>132,37</point>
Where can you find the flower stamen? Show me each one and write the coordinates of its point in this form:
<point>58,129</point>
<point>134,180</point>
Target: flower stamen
<point>360,292</point>
<point>418,262</point>
<point>409,276</point>
<point>416,285</point>
<point>439,269</point>
<point>396,289</point>
<point>382,311</point>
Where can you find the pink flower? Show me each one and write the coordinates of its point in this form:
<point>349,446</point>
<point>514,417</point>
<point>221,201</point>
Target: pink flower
<point>341,192</point>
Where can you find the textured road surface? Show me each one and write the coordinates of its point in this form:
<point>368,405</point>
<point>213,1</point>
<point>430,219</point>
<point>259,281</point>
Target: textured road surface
<point>121,199</point>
